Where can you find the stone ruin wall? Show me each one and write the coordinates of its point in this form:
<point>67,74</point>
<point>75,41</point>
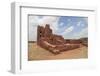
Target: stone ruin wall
<point>54,43</point>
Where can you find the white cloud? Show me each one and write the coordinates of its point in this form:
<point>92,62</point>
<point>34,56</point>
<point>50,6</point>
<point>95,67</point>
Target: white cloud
<point>61,23</point>
<point>47,20</point>
<point>32,33</point>
<point>52,20</point>
<point>34,21</point>
<point>80,24</point>
<point>68,30</point>
<point>83,33</point>
<point>69,20</point>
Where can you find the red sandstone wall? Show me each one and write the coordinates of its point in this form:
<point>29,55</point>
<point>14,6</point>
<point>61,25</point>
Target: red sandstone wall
<point>73,41</point>
<point>55,43</point>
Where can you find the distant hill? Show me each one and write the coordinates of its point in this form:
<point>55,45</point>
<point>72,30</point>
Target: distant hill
<point>84,41</point>
<point>85,38</point>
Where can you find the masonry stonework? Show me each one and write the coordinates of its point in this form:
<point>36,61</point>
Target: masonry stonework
<point>54,43</point>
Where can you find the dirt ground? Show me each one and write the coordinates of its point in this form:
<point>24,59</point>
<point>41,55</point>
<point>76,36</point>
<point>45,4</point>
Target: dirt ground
<point>35,52</point>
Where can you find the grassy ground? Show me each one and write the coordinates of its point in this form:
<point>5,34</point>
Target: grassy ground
<point>37,53</point>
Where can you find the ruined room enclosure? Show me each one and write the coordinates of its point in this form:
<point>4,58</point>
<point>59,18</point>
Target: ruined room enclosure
<point>51,46</point>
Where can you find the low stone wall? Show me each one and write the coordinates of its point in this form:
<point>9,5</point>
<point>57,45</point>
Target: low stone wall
<point>73,41</point>
<point>55,49</point>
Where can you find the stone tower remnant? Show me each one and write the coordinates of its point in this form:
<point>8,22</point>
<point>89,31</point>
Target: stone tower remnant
<point>54,43</point>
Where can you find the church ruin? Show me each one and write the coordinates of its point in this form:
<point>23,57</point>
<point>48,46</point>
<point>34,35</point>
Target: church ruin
<point>54,43</point>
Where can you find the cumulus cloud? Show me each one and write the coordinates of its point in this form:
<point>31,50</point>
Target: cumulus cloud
<point>64,30</point>
<point>34,21</point>
<point>80,24</point>
<point>82,33</point>
<point>68,30</point>
<point>47,19</point>
<point>69,20</point>
<point>52,20</point>
<point>61,24</point>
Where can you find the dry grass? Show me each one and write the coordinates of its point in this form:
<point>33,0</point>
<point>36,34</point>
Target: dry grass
<point>35,52</point>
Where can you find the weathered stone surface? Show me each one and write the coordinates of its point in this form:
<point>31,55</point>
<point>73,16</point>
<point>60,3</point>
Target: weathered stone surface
<point>54,43</point>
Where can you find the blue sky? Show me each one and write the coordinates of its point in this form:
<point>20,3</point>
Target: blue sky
<point>70,27</point>
<point>77,23</point>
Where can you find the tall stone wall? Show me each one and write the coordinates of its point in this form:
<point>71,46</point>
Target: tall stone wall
<point>46,33</point>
